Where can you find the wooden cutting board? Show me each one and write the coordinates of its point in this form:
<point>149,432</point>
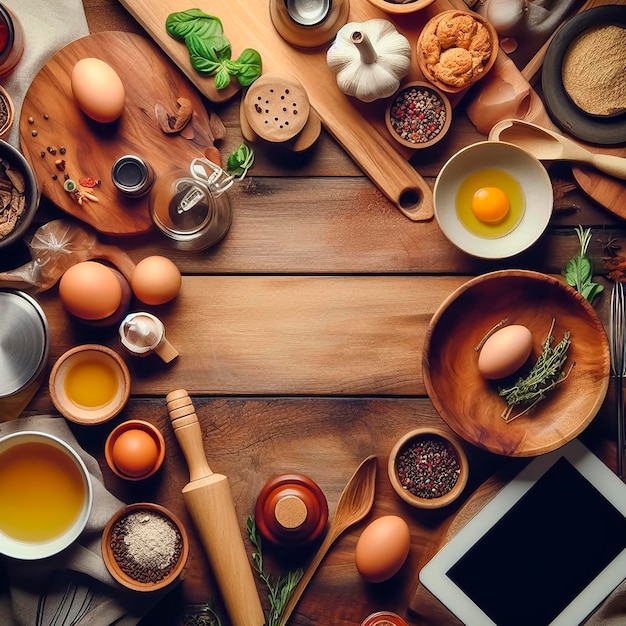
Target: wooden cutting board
<point>90,148</point>
<point>358,127</point>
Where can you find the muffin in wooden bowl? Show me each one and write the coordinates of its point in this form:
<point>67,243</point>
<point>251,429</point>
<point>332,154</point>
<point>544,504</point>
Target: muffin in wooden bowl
<point>455,49</point>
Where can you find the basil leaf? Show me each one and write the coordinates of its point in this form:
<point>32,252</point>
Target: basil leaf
<point>249,67</point>
<point>240,161</point>
<point>193,21</point>
<point>222,78</point>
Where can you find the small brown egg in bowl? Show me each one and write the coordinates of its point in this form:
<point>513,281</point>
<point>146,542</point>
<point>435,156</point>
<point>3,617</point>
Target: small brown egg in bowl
<point>428,468</point>
<point>145,546</point>
<point>456,49</point>
<point>550,400</point>
<point>134,450</point>
<point>418,115</point>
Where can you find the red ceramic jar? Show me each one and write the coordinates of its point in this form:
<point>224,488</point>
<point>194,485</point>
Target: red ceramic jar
<point>384,618</point>
<point>291,510</point>
<point>11,40</point>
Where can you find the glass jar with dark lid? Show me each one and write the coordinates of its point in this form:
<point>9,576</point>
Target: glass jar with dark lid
<point>132,175</point>
<point>190,207</point>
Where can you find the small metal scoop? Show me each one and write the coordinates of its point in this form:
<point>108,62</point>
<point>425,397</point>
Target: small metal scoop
<point>547,145</point>
<point>308,12</point>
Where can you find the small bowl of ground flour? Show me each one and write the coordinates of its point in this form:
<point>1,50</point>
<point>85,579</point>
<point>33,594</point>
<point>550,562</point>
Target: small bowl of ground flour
<point>145,546</point>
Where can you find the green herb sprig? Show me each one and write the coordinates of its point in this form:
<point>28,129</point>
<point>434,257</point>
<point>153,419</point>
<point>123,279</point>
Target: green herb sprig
<point>578,272</point>
<point>240,161</point>
<point>278,592</point>
<point>545,375</point>
<point>210,51</point>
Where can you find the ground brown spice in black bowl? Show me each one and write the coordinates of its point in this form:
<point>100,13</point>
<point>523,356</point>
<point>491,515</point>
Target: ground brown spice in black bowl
<point>146,546</point>
<point>428,467</point>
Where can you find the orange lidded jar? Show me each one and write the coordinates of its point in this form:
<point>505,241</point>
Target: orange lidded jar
<point>291,510</point>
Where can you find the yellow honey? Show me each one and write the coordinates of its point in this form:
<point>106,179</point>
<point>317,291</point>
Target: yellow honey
<point>41,492</point>
<point>91,383</point>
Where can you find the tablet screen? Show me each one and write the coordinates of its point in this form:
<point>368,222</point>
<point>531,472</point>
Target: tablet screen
<point>544,551</point>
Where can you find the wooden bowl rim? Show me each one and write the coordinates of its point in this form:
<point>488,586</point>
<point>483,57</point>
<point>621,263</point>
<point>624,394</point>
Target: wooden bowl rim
<point>392,7</point>
<point>488,65</point>
<point>111,563</point>
<point>6,128</point>
<point>104,416</point>
<point>529,275</point>
<point>426,503</point>
<point>447,106</point>
<point>144,426</point>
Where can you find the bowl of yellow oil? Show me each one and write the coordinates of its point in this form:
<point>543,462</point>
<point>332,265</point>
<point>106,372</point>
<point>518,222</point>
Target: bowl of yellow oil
<point>493,199</point>
<point>46,495</point>
<point>90,384</point>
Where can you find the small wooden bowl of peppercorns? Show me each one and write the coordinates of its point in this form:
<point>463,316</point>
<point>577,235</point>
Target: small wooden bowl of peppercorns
<point>428,468</point>
<point>418,115</point>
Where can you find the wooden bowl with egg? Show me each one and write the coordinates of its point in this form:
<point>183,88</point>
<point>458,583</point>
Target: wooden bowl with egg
<point>471,404</point>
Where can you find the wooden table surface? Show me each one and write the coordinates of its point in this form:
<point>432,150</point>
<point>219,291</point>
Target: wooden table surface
<point>300,341</point>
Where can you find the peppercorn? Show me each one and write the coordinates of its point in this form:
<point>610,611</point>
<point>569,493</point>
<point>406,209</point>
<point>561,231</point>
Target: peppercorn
<point>418,115</point>
<point>428,467</point>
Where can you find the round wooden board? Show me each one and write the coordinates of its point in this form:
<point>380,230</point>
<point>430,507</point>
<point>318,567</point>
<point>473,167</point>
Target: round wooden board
<point>90,147</point>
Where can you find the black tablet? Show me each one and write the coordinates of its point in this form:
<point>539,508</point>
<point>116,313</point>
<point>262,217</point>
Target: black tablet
<point>547,549</point>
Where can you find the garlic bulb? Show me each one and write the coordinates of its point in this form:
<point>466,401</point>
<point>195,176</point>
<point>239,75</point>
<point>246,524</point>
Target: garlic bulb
<point>369,58</point>
<point>505,15</point>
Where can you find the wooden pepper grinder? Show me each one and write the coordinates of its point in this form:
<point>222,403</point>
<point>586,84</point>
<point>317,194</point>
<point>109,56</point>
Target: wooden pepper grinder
<point>291,510</point>
<point>210,504</point>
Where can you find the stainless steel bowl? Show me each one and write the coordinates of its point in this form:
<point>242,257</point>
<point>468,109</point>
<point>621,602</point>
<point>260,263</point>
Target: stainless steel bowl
<point>24,341</point>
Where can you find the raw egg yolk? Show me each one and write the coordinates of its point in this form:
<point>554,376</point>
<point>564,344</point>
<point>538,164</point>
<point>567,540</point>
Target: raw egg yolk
<point>490,204</point>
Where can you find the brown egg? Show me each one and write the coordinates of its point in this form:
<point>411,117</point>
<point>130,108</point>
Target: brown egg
<point>505,352</point>
<point>382,548</point>
<point>156,280</point>
<point>90,290</point>
<point>98,90</point>
<point>134,452</point>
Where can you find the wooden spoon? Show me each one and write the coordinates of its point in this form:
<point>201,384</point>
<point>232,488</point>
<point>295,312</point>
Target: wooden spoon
<point>547,145</point>
<point>355,502</point>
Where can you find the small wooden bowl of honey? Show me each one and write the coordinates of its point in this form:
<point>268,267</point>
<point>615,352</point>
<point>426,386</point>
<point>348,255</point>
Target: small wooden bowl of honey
<point>89,384</point>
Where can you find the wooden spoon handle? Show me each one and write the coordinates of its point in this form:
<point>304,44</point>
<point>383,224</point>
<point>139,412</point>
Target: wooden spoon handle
<point>330,538</point>
<point>609,164</point>
<point>115,255</point>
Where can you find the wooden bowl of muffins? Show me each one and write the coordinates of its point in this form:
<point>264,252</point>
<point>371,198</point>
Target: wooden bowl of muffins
<point>456,49</point>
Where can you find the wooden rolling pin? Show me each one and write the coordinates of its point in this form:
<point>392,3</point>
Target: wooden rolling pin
<point>210,504</point>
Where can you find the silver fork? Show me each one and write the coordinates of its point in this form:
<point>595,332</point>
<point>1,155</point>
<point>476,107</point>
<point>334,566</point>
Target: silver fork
<point>617,339</point>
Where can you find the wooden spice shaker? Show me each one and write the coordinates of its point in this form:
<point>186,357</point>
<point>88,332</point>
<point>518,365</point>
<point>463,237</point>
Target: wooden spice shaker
<point>291,510</point>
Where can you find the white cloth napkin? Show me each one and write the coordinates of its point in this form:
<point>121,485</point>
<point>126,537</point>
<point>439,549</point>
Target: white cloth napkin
<point>48,26</point>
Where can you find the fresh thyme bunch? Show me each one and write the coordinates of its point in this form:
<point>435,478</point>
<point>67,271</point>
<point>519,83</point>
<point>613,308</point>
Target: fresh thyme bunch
<point>545,375</point>
<point>278,592</point>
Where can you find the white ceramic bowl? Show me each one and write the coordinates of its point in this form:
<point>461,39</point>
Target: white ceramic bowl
<point>529,173</point>
<point>64,462</point>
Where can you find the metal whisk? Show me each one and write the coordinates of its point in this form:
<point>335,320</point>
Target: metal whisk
<point>617,339</point>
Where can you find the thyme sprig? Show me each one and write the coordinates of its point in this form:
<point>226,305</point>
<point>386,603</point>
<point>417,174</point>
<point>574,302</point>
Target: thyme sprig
<point>544,376</point>
<point>279,591</point>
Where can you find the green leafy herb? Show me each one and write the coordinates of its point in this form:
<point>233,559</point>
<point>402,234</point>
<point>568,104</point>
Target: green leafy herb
<point>240,161</point>
<point>545,375</point>
<point>578,271</point>
<point>210,51</point>
<point>280,591</point>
